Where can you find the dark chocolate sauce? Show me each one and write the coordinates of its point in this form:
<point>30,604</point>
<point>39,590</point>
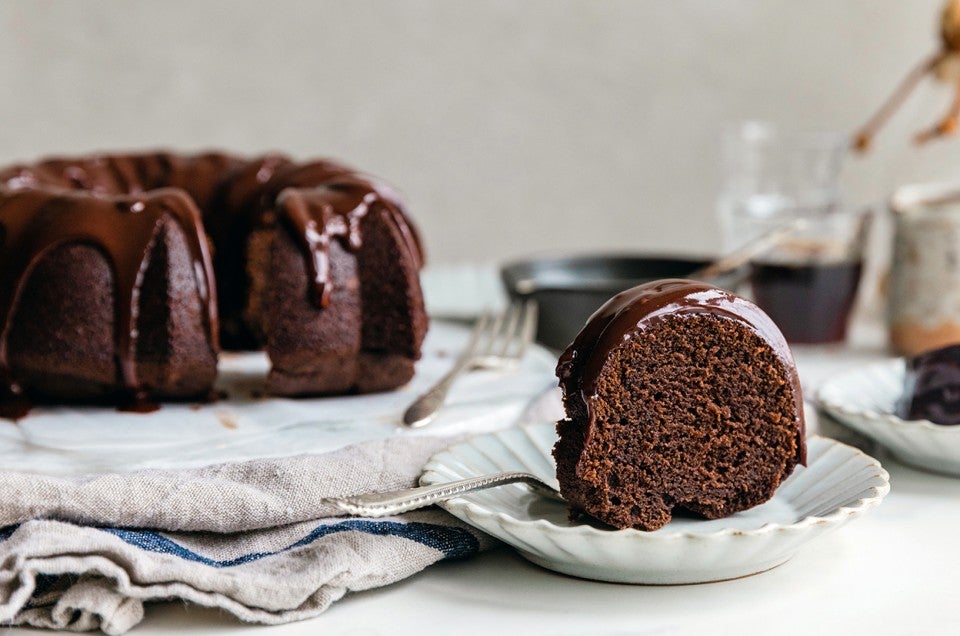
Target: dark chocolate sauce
<point>115,203</point>
<point>632,311</point>
<point>137,402</point>
<point>13,404</point>
<point>932,387</point>
<point>810,303</point>
<point>335,211</point>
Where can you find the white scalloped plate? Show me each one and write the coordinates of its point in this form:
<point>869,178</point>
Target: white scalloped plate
<point>838,484</point>
<point>865,399</point>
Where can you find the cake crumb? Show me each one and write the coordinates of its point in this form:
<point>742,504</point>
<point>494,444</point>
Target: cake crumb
<point>227,420</point>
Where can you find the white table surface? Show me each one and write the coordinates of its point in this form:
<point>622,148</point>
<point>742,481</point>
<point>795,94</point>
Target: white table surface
<point>894,571</point>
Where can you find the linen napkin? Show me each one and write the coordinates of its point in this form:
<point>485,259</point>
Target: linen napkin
<point>251,538</point>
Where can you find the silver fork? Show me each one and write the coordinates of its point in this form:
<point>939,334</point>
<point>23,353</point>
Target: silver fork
<point>385,504</point>
<point>497,343</point>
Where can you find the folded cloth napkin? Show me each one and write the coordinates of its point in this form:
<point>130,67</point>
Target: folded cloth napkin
<point>252,538</point>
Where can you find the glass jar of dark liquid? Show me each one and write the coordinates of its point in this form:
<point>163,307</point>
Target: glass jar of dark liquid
<point>810,302</point>
<point>808,285</point>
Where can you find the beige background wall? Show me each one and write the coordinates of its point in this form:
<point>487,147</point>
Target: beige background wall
<point>510,126</point>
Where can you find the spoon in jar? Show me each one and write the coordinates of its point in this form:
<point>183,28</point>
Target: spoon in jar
<point>742,255</point>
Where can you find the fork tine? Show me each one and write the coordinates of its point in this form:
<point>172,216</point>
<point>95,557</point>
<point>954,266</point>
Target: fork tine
<point>528,328</point>
<point>480,325</point>
<point>490,336</point>
<point>510,324</point>
<point>478,331</point>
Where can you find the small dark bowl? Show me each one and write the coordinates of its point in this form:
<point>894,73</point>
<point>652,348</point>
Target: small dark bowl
<point>569,289</point>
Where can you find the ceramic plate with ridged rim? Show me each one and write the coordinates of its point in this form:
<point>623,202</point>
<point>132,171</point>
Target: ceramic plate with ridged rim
<point>865,399</point>
<point>838,484</point>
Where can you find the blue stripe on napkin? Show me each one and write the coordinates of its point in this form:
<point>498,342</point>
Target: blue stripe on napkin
<point>454,543</point>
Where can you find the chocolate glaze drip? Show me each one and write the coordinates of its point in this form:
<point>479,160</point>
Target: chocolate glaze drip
<point>107,201</point>
<point>123,229</point>
<point>335,211</point>
<point>636,309</point>
<point>318,222</point>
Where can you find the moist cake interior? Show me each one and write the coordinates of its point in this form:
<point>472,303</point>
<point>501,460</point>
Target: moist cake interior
<point>694,412</point>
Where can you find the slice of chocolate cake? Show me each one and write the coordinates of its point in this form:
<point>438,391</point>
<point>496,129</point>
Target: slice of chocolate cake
<point>678,395</point>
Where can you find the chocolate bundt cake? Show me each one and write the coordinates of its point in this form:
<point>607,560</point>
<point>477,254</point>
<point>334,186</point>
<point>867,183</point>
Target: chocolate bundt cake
<point>678,395</point>
<point>120,275</point>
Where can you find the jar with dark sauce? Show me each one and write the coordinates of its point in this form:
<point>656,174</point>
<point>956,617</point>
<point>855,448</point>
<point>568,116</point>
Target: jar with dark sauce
<point>809,284</point>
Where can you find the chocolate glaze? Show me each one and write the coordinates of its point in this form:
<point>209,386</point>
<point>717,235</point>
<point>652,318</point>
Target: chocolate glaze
<point>335,211</point>
<point>122,228</point>
<point>115,203</point>
<point>634,310</point>
<point>932,386</point>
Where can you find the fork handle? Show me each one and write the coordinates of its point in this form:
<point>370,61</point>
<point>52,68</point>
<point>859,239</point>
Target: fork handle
<point>384,504</point>
<point>426,407</point>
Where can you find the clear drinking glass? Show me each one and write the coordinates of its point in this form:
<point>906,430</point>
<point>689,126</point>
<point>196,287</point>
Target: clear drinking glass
<point>772,175</point>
